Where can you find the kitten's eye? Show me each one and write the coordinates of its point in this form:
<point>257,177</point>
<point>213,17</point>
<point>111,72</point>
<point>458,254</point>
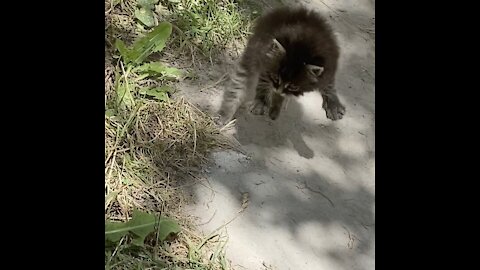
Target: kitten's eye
<point>276,83</point>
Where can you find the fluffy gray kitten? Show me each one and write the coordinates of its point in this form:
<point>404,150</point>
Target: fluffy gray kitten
<point>292,51</point>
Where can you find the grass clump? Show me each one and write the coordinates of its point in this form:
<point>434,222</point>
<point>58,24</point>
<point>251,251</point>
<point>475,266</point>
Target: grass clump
<point>211,25</point>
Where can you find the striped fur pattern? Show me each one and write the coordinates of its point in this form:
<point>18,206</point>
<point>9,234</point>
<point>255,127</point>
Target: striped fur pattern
<point>292,51</point>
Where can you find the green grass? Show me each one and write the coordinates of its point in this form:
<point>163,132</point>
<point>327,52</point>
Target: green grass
<point>211,25</point>
<point>154,145</point>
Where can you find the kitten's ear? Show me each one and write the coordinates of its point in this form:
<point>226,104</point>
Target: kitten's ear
<point>316,71</point>
<point>276,49</point>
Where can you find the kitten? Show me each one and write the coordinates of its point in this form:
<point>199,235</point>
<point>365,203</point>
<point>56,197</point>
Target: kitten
<point>292,51</point>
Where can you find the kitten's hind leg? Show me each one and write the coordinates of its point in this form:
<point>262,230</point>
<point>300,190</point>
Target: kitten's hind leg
<point>334,109</point>
<point>241,81</point>
<point>231,102</point>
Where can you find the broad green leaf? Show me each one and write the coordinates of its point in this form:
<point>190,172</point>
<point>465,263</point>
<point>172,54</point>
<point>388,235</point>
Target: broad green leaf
<point>167,89</point>
<point>172,73</point>
<point>124,96</point>
<point>153,67</point>
<point>160,93</point>
<point>152,42</point>
<point>161,69</point>
<point>139,227</point>
<point>114,231</point>
<point>141,77</point>
<point>142,224</point>
<point>164,32</point>
<point>145,15</point>
<point>167,226</point>
<point>149,4</point>
<point>143,90</point>
<point>110,112</point>
<point>124,51</point>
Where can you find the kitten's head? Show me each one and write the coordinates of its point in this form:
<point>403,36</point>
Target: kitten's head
<point>291,73</point>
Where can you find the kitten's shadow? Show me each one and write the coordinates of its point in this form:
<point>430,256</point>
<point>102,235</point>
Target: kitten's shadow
<point>261,130</point>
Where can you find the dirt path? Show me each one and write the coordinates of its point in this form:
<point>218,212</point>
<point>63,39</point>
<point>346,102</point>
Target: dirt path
<point>308,184</point>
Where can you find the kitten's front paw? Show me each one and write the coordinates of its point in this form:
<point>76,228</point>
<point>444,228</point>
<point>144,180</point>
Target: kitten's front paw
<point>258,108</point>
<point>223,119</point>
<point>219,121</point>
<point>335,111</point>
<point>274,113</point>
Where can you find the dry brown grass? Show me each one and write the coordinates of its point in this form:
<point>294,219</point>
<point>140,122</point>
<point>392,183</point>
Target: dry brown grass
<point>150,150</point>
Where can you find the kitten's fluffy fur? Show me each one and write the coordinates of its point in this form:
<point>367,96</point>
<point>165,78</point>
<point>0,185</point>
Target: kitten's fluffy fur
<point>292,51</point>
